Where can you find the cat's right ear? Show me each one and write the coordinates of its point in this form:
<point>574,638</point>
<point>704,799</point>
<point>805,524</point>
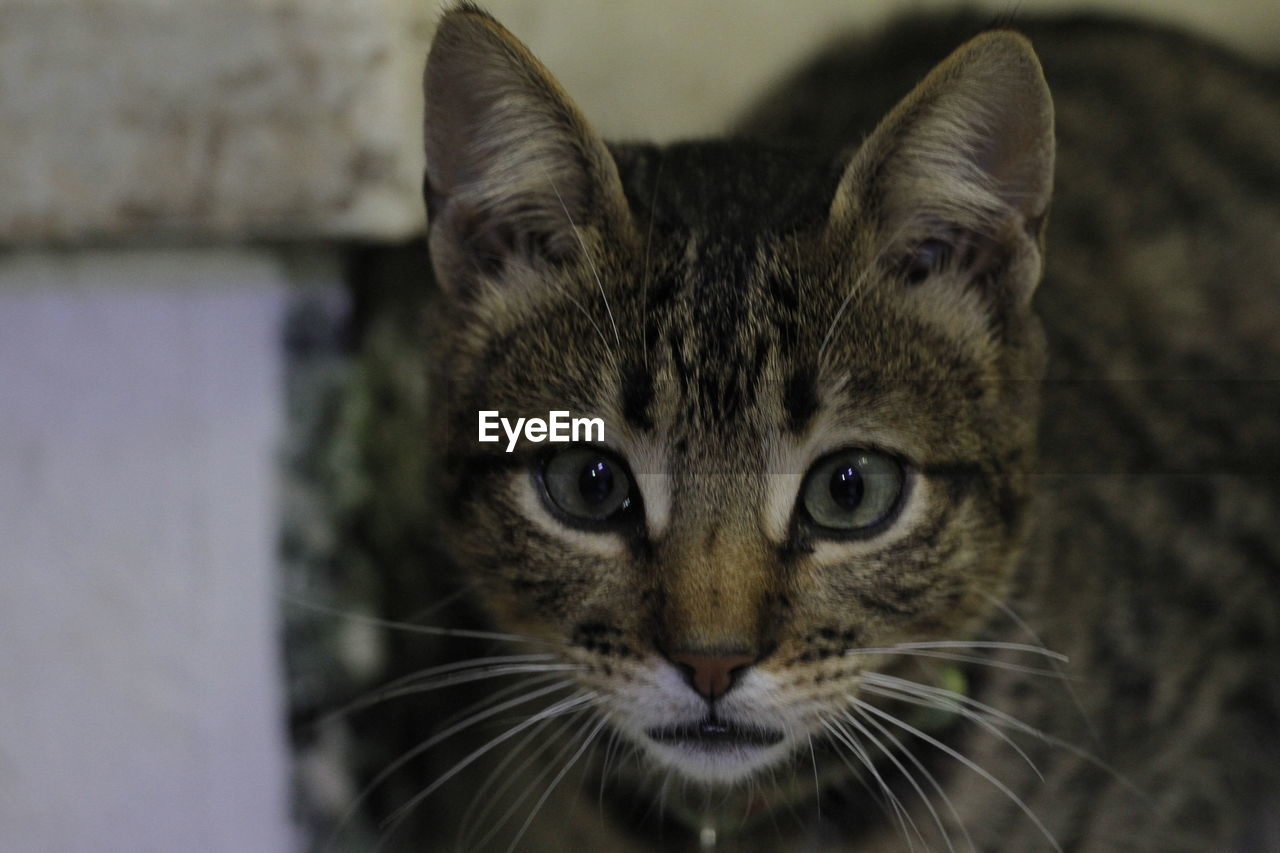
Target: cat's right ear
<point>514,173</point>
<point>958,176</point>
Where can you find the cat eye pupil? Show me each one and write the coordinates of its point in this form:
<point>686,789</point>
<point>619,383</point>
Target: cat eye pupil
<point>851,492</point>
<point>846,487</point>
<point>586,486</point>
<point>595,483</point>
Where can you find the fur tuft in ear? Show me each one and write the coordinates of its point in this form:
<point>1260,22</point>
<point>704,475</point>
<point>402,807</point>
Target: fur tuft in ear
<point>959,175</point>
<point>514,173</point>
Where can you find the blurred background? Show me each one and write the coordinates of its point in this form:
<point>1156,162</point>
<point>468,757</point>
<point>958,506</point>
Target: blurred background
<point>188,190</point>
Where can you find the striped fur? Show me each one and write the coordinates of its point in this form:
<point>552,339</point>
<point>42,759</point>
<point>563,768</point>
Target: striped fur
<point>1093,457</point>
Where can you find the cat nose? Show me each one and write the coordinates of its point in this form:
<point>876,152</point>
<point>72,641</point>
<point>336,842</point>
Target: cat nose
<point>711,675</point>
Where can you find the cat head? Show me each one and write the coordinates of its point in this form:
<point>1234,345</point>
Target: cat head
<point>815,371</point>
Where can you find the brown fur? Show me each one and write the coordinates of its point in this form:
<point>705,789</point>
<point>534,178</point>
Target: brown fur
<point>734,311</point>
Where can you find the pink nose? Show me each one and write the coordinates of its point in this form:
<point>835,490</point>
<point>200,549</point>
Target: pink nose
<point>711,675</point>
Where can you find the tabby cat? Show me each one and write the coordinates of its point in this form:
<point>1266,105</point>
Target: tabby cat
<point>890,545</point>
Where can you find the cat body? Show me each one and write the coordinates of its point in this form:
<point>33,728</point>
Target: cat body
<point>890,544</point>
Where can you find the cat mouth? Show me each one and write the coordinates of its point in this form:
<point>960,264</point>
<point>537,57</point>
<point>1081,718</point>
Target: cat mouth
<point>712,734</point>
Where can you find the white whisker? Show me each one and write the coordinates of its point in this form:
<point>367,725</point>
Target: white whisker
<point>418,683</point>
<point>1002,718</point>
<point>595,271</point>
<point>960,658</point>
<point>432,741</point>
<point>942,699</point>
<point>817,787</point>
<point>648,244</point>
<point>856,288</point>
<point>966,644</point>
<point>1067,685</point>
<point>418,629</point>
<point>911,779</point>
<point>929,777</point>
<point>555,782</point>
<point>845,737</point>
<point>609,752</point>
<point>938,705</point>
<point>493,697</point>
<point>561,707</point>
<point>474,816</point>
<point>967,762</point>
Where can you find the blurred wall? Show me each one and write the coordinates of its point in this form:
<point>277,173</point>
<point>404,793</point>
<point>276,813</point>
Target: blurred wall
<point>674,68</point>
<point>226,119</point>
<point>140,690</point>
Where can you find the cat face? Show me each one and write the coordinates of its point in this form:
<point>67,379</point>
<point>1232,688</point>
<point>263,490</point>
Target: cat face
<point>815,375</point>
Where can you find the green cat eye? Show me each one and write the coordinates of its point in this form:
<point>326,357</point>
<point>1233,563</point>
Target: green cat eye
<point>852,490</point>
<point>587,484</point>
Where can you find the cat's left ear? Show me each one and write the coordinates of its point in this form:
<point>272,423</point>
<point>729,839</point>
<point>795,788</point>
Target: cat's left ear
<point>957,178</point>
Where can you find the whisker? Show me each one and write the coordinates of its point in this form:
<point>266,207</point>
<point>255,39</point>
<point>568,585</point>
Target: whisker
<point>422,682</point>
<point>595,271</point>
<point>967,762</point>
<point>472,818</point>
<point>773,813</point>
<point>924,700</point>
<point>911,779</point>
<point>876,796</point>
<point>555,782</point>
<point>609,752</point>
<point>492,697</point>
<point>551,740</point>
<point>747,800</point>
<point>817,787</point>
<point>857,287</point>
<point>968,644</point>
<point>1071,691</point>
<point>410,628</point>
<point>1001,717</point>
<point>562,707</point>
<point>850,741</point>
<point>960,658</point>
<point>441,604</point>
<point>432,741</point>
<point>564,291</point>
<point>929,777</point>
<point>590,319</point>
<point>427,685</point>
<point>648,244</point>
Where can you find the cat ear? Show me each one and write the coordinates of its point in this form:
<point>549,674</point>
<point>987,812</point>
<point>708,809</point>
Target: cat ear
<point>957,178</point>
<point>514,173</point>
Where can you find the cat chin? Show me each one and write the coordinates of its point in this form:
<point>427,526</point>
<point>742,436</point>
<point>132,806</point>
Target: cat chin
<point>718,765</point>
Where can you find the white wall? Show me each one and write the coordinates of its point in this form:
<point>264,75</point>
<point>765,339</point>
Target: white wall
<point>140,691</point>
<point>666,69</point>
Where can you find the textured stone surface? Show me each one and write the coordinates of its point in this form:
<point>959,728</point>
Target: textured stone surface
<point>135,119</point>
<point>209,118</point>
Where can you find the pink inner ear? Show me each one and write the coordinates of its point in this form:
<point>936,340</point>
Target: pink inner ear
<point>513,170</point>
<point>972,143</point>
<point>1013,154</point>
